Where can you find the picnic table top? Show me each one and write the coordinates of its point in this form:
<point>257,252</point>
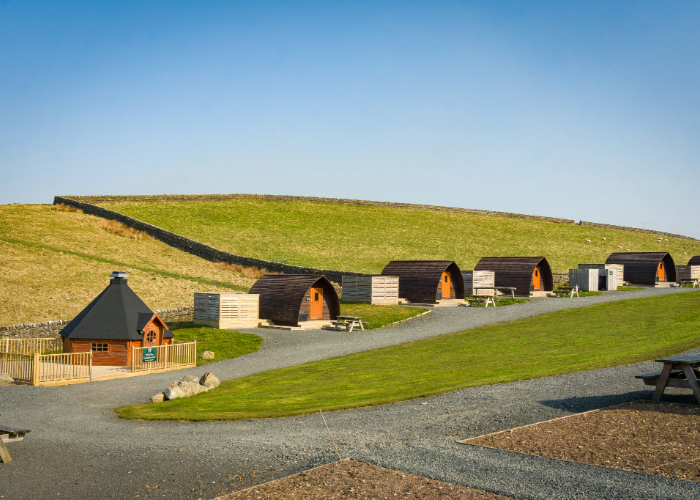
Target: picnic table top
<point>349,317</point>
<point>494,288</point>
<point>688,359</point>
<point>12,430</point>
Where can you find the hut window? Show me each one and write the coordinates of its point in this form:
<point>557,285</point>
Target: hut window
<point>151,336</point>
<point>316,296</point>
<point>100,347</point>
<point>445,278</point>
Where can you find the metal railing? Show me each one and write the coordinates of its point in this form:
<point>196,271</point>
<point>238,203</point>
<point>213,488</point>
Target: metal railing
<point>177,354</point>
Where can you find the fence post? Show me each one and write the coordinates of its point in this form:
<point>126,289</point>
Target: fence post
<point>90,365</point>
<point>194,357</point>
<point>132,359</point>
<point>35,369</point>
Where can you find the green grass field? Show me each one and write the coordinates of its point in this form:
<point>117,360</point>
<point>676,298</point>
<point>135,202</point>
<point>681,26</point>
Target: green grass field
<point>598,336</point>
<point>357,238</point>
<point>379,316</point>
<point>53,263</point>
<point>223,343</point>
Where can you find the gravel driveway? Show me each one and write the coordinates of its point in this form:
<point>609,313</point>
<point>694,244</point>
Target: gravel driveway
<point>79,449</point>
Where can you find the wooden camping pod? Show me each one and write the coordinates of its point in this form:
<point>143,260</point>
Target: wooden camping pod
<point>642,268</point>
<point>518,272</point>
<point>284,296</point>
<point>694,261</point>
<point>420,280</point>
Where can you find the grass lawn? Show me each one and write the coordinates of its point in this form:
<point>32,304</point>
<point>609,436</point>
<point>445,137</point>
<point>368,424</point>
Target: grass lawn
<point>52,264</point>
<point>365,239</point>
<point>223,343</point>
<point>597,336</point>
<point>378,316</point>
<point>629,288</point>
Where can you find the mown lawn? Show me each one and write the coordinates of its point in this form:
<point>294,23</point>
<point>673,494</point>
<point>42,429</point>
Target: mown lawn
<point>223,343</point>
<point>566,341</point>
<point>365,239</point>
<point>379,316</point>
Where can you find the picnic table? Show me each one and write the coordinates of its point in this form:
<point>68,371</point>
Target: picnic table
<point>349,322</point>
<point>693,282</point>
<point>9,435</point>
<point>497,288</point>
<point>481,299</point>
<point>566,290</point>
<point>678,371</point>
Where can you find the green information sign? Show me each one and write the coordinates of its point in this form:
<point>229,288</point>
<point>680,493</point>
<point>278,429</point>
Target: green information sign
<point>150,354</point>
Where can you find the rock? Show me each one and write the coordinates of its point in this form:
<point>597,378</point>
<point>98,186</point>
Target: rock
<point>207,355</point>
<point>6,379</point>
<point>173,393</point>
<point>191,388</point>
<point>190,378</point>
<point>209,381</point>
<point>157,398</point>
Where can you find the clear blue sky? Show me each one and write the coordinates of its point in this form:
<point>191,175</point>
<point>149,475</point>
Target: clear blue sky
<point>585,110</point>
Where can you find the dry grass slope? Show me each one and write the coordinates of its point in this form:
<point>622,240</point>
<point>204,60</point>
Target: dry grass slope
<point>364,238</point>
<point>53,261</point>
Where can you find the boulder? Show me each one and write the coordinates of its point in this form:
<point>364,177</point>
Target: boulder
<point>190,378</point>
<point>191,388</point>
<point>207,355</point>
<point>157,398</point>
<point>209,381</point>
<point>173,393</point>
<point>5,379</point>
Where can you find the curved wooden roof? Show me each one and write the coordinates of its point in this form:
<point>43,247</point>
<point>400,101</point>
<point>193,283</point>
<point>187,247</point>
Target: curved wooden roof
<point>694,261</point>
<point>419,279</point>
<point>517,272</point>
<point>641,267</point>
<point>281,296</point>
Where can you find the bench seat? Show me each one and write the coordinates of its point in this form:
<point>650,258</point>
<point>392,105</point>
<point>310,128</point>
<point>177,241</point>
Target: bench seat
<point>674,379</point>
<point>9,435</point>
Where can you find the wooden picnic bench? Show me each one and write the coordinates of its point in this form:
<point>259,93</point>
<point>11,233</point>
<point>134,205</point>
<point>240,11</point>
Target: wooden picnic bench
<point>480,299</point>
<point>678,371</point>
<point>502,289</point>
<point>9,435</point>
<point>693,282</point>
<point>348,322</point>
<point>566,290</point>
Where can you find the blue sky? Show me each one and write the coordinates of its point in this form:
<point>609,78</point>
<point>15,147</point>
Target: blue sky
<point>585,110</point>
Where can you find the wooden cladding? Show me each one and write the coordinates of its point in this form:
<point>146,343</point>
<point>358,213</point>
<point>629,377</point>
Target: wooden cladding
<point>616,267</point>
<point>694,261</point>
<point>284,296</point>
<point>475,279</point>
<point>688,273</point>
<point>226,310</point>
<point>645,268</point>
<point>518,272</point>
<point>383,290</point>
<point>423,281</point>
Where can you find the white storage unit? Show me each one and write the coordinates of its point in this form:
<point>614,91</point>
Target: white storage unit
<point>620,268</point>
<point>586,279</point>
<point>475,279</point>
<point>226,310</point>
<point>687,273</point>
<point>381,290</point>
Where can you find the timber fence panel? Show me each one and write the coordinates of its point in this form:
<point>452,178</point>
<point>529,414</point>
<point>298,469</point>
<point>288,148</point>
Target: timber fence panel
<point>177,354</point>
<point>30,346</point>
<point>18,366</point>
<point>59,367</point>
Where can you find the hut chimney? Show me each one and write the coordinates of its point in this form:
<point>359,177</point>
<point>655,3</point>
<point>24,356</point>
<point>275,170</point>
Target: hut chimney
<point>118,278</point>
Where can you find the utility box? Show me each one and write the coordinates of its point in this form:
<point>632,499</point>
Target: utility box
<point>476,279</point>
<point>227,310</point>
<point>381,290</point>
<point>590,279</point>
<point>620,268</point>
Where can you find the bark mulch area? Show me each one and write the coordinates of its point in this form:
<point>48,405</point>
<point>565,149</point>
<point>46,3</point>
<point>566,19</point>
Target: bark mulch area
<point>651,438</point>
<point>353,479</point>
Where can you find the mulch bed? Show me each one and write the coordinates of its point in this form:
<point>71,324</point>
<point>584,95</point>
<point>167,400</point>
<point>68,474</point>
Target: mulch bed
<point>651,438</point>
<point>353,479</point>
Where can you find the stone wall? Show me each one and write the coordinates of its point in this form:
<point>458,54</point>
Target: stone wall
<point>50,329</point>
<point>635,230</point>
<point>200,249</point>
<point>561,279</point>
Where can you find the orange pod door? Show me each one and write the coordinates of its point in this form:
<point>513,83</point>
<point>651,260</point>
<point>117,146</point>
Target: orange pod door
<point>536,279</point>
<point>660,273</point>
<point>445,285</point>
<point>316,311</point>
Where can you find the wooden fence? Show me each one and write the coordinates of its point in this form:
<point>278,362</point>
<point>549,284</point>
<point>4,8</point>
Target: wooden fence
<point>177,354</point>
<point>30,346</point>
<point>18,366</point>
<point>37,368</point>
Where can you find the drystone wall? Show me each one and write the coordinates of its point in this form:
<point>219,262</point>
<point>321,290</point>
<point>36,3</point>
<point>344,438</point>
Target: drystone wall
<point>50,329</point>
<point>200,249</point>
<point>636,230</point>
<point>561,279</point>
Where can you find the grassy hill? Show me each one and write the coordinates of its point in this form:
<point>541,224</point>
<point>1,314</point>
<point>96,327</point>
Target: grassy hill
<point>53,263</point>
<point>365,238</point>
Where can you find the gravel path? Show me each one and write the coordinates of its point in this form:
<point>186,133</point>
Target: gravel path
<point>78,448</point>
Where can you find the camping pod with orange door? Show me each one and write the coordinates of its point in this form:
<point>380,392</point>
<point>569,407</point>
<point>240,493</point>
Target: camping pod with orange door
<point>287,298</point>
<point>114,322</point>
<point>427,281</point>
<point>530,276</point>
<point>646,268</point>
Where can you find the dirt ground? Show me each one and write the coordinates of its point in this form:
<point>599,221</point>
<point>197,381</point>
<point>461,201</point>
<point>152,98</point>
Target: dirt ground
<point>651,438</point>
<point>353,479</point>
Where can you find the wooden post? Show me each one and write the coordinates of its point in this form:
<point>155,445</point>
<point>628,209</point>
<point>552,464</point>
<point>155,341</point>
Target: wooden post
<point>132,359</point>
<point>91,365</point>
<point>4,454</point>
<point>35,369</point>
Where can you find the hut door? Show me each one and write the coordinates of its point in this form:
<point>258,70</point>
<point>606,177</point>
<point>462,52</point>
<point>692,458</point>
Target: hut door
<point>445,280</point>
<point>660,273</point>
<point>316,311</point>
<point>536,279</point>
